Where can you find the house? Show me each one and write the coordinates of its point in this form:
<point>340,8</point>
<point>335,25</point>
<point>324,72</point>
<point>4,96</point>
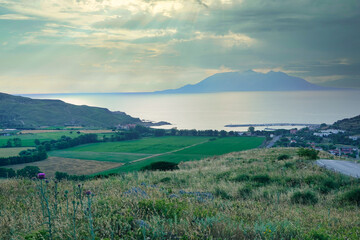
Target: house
<point>346,150</point>
<point>334,152</point>
<point>327,132</point>
<point>354,138</point>
<point>293,131</point>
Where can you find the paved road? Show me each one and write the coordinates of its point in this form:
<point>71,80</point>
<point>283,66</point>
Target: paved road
<point>273,141</point>
<point>344,167</point>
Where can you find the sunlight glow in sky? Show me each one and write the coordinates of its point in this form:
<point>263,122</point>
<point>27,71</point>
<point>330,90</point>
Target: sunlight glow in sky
<point>52,46</point>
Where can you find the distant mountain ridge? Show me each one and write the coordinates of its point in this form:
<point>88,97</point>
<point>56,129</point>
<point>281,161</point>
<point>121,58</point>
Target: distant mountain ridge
<point>248,81</point>
<point>23,112</point>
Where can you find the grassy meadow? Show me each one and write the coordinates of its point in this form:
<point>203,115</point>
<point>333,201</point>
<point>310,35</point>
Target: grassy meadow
<point>242,195</point>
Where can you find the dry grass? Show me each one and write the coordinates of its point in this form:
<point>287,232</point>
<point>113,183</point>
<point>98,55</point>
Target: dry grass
<point>68,165</point>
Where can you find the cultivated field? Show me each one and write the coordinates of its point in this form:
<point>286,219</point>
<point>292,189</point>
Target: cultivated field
<point>136,154</point>
<point>9,152</point>
<point>69,165</point>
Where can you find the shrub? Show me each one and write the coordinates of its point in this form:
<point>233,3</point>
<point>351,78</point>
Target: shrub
<point>245,192</point>
<point>7,173</point>
<point>283,157</point>
<point>306,198</point>
<point>241,178</point>
<point>310,154</point>
<point>222,193</point>
<point>327,185</point>
<point>165,179</point>
<point>262,178</point>
<point>28,172</point>
<point>161,166</point>
<point>61,175</point>
<point>352,196</point>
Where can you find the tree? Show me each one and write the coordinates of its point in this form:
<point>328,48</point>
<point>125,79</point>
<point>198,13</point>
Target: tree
<point>223,133</point>
<point>251,129</point>
<point>159,132</point>
<point>9,143</point>
<point>37,142</point>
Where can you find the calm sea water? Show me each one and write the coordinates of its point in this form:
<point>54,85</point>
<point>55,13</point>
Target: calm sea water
<point>214,110</point>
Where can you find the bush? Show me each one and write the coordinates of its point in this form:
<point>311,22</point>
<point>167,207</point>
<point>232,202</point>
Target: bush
<point>161,166</point>
<point>352,196</point>
<point>283,157</point>
<point>28,172</point>
<point>289,165</point>
<point>61,175</point>
<point>245,192</point>
<point>327,185</point>
<point>310,154</point>
<point>241,178</point>
<point>306,198</point>
<point>7,173</point>
<point>222,194</point>
<point>262,178</point>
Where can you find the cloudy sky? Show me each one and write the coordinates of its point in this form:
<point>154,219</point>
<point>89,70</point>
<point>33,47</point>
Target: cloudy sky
<point>49,46</point>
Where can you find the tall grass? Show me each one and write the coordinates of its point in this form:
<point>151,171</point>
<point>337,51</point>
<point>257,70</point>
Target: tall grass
<point>203,200</point>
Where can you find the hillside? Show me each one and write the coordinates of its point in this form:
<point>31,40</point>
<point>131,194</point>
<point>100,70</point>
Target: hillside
<point>248,81</point>
<point>243,195</point>
<point>23,112</point>
<point>349,124</point>
<point>342,83</point>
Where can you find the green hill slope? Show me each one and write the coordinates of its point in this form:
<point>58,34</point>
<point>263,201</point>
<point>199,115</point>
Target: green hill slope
<point>22,112</point>
<point>349,124</point>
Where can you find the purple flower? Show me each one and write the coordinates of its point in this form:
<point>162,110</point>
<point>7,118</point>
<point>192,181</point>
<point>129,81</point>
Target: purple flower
<point>41,175</point>
<point>88,192</point>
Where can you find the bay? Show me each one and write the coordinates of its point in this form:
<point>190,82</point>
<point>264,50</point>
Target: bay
<point>215,110</point>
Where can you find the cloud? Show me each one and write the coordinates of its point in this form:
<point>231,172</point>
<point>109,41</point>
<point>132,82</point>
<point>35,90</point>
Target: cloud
<point>14,17</point>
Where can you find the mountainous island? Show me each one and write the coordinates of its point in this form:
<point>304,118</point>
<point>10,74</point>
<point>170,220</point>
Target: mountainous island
<point>23,112</point>
<point>248,81</point>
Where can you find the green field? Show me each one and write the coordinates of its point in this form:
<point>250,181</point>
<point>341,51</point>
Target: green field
<point>129,151</point>
<point>99,156</point>
<point>207,149</point>
<point>27,140</point>
<point>146,145</point>
<point>9,152</point>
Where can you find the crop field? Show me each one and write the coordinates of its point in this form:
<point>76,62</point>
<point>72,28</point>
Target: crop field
<point>28,137</point>
<point>200,151</point>
<point>9,152</point>
<point>146,145</point>
<point>100,156</point>
<point>136,154</point>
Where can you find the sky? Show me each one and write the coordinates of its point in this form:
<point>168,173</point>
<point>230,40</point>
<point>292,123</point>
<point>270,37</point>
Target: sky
<point>71,46</point>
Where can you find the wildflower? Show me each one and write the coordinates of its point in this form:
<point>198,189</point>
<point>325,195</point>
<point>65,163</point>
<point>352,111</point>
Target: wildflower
<point>41,175</point>
<point>88,192</point>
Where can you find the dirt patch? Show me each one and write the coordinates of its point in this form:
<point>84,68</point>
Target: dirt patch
<point>68,165</point>
<point>96,131</point>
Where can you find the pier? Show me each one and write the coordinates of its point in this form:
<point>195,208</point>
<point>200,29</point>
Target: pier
<point>274,125</point>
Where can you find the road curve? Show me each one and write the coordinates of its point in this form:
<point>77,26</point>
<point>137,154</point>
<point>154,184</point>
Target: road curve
<point>345,167</point>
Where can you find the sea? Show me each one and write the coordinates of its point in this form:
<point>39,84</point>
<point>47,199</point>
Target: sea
<point>215,110</point>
